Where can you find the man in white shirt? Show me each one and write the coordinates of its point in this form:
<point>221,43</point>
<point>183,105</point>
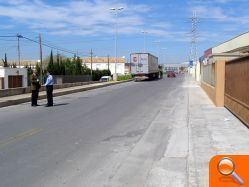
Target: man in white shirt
<point>49,87</point>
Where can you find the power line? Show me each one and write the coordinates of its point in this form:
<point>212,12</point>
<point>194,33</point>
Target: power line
<point>44,44</point>
<point>9,40</point>
<point>50,46</point>
<point>8,36</point>
<point>8,48</point>
<point>83,41</point>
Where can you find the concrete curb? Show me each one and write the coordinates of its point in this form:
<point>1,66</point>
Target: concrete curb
<point>56,94</point>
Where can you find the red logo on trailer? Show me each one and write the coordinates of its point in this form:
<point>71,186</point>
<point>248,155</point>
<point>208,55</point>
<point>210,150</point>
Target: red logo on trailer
<point>134,59</point>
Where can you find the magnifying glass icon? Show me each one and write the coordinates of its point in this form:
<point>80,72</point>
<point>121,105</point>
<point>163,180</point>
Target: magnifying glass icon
<point>226,167</point>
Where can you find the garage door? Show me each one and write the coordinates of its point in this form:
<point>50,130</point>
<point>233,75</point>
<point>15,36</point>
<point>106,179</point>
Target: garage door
<point>15,81</point>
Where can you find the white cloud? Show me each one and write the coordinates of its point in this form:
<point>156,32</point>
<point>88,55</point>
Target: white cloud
<point>3,27</point>
<point>162,25</point>
<point>215,14</point>
<point>13,2</point>
<point>215,1</point>
<point>76,17</point>
<point>209,12</point>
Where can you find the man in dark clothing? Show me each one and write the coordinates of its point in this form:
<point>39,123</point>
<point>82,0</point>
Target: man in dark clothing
<point>49,87</point>
<point>35,86</point>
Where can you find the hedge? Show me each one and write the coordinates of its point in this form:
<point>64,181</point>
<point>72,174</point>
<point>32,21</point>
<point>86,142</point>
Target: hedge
<point>124,77</point>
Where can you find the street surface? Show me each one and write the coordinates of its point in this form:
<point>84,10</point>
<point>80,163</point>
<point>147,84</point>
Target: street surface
<point>133,134</point>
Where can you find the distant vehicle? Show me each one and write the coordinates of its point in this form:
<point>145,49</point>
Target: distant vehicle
<point>144,66</point>
<point>105,78</point>
<point>171,74</point>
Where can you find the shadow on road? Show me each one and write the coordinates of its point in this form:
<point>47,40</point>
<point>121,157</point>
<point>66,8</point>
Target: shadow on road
<point>59,104</point>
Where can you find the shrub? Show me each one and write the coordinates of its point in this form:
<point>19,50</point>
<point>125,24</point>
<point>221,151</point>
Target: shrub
<point>97,74</point>
<point>124,77</point>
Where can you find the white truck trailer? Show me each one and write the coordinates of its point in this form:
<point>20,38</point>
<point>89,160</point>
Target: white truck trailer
<point>144,66</point>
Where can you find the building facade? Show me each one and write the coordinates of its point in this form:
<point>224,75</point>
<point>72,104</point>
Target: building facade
<point>102,63</point>
<point>13,78</point>
<point>225,75</point>
<point>174,67</point>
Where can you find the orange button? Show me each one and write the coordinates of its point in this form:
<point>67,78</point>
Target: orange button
<point>229,170</point>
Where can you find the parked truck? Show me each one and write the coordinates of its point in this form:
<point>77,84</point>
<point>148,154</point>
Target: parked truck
<point>144,66</point>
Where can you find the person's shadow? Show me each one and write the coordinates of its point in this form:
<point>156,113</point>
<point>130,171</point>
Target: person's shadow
<point>58,104</point>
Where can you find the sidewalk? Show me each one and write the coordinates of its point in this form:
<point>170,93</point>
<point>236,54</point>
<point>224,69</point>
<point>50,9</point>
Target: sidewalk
<point>212,131</point>
<point>22,98</point>
<point>199,131</point>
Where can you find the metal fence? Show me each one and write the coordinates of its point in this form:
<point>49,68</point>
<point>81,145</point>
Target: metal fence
<point>237,80</point>
<point>61,79</point>
<point>237,87</point>
<point>208,74</point>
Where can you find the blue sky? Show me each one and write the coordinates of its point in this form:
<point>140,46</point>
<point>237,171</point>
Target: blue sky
<point>81,25</point>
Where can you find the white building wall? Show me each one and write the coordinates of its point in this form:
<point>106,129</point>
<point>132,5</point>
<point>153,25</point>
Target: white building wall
<point>192,71</point>
<point>2,72</point>
<point>235,43</point>
<point>198,71</point>
<point>102,66</point>
<point>5,72</point>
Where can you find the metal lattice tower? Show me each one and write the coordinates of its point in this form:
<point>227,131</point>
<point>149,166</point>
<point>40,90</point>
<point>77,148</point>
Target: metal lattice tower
<point>193,50</point>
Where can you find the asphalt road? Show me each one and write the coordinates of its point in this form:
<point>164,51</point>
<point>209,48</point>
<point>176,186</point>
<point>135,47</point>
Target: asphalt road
<point>103,137</point>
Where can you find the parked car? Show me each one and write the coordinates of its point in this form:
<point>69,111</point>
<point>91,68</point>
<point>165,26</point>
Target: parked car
<point>171,74</point>
<point>105,78</point>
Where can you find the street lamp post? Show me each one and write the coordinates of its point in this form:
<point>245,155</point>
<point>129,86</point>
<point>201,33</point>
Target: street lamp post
<point>144,32</point>
<point>158,43</point>
<point>164,59</point>
<point>116,38</point>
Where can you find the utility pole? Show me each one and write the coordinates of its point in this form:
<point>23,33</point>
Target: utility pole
<point>108,62</point>
<point>18,50</point>
<point>41,64</point>
<point>193,50</point>
<point>116,46</point>
<point>144,32</point>
<point>116,38</point>
<point>159,45</point>
<point>91,64</point>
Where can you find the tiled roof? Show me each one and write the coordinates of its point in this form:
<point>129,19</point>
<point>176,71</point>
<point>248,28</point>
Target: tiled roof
<point>102,60</point>
<point>22,63</point>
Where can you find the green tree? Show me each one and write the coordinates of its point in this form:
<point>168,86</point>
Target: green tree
<point>29,73</point>
<point>86,70</point>
<point>62,67</point>
<point>78,66</point>
<point>106,72</point>
<point>5,61</point>
<point>38,69</point>
<point>68,67</point>
<point>96,75</point>
<point>56,69</point>
<point>50,66</point>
